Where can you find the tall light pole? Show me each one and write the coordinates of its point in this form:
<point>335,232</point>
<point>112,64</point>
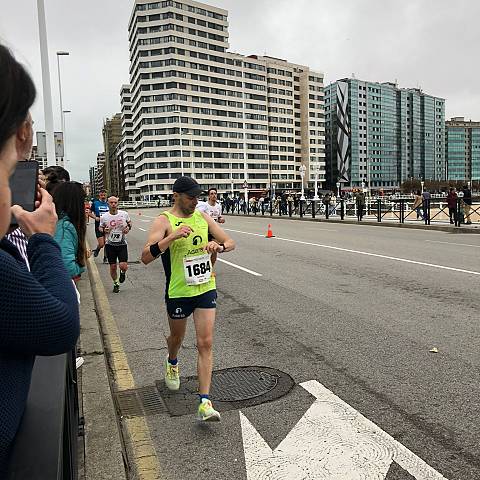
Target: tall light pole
<point>301,169</point>
<point>62,120</point>
<point>47,91</point>
<point>65,135</point>
<point>316,168</point>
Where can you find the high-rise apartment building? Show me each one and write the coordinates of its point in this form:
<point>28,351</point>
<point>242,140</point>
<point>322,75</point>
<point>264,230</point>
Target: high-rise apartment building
<point>462,146</point>
<point>99,183</point>
<point>125,148</point>
<point>221,117</point>
<point>380,135</point>
<point>112,136</point>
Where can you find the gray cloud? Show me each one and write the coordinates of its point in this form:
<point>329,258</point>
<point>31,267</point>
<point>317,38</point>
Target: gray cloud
<point>427,43</point>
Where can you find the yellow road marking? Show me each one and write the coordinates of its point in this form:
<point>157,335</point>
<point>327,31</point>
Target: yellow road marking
<point>141,453</point>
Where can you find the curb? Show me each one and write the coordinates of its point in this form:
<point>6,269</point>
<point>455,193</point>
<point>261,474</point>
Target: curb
<point>103,454</point>
<point>140,459</point>
<point>440,228</point>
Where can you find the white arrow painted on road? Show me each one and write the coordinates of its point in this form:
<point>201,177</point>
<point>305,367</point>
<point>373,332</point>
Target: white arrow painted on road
<point>332,441</point>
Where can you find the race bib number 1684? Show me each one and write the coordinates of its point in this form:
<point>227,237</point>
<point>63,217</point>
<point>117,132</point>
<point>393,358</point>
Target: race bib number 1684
<point>197,269</point>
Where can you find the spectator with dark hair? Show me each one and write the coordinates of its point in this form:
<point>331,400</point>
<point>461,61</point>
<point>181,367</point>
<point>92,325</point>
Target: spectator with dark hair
<point>69,198</point>
<point>54,176</point>
<point>39,309</point>
<point>467,204</point>
<point>452,204</point>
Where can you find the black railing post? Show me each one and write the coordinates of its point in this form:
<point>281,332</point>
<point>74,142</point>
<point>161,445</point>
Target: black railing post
<point>271,206</point>
<point>314,205</point>
<point>379,209</point>
<point>290,209</point>
<point>327,210</point>
<point>402,211</point>
<point>428,211</point>
<point>342,209</point>
<point>301,208</point>
<point>457,213</point>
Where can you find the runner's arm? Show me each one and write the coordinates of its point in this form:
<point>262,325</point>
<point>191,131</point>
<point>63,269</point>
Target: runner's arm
<point>159,235</point>
<point>221,237</point>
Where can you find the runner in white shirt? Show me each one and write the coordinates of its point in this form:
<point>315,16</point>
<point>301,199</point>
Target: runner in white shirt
<point>213,208</point>
<point>115,225</point>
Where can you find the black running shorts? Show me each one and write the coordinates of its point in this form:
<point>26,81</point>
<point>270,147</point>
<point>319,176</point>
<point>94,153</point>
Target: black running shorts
<point>178,308</point>
<point>116,253</point>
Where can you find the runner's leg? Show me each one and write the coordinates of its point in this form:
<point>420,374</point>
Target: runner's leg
<point>204,319</point>
<point>177,332</point>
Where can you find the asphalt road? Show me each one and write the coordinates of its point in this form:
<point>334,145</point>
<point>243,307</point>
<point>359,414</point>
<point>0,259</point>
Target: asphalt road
<point>355,307</point>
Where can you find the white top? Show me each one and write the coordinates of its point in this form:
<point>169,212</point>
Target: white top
<point>215,211</point>
<point>116,223</point>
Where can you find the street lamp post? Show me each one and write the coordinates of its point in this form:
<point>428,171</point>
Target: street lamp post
<point>47,92</point>
<point>422,183</point>
<point>60,54</point>
<point>64,134</point>
<point>302,170</point>
<point>316,168</point>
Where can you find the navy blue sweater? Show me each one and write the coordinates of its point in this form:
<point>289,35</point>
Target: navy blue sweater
<point>38,316</point>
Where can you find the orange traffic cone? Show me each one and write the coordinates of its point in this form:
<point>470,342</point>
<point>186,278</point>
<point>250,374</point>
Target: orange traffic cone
<point>269,232</point>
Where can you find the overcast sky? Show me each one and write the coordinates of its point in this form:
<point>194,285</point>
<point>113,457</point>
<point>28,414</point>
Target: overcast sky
<point>432,44</point>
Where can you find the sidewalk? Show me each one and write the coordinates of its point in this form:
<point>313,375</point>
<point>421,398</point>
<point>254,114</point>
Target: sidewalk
<point>102,448</point>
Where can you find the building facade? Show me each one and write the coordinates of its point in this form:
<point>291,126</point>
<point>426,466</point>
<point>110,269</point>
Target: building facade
<point>462,147</point>
<point>379,135</point>
<point>112,137</point>
<point>226,119</point>
<point>99,182</point>
<point>125,149</point>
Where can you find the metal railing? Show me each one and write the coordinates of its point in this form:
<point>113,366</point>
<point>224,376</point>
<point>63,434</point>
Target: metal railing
<point>377,209</point>
<point>143,204</point>
<point>45,446</point>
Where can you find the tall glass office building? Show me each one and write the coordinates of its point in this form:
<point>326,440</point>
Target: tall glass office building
<point>462,146</point>
<point>379,135</point>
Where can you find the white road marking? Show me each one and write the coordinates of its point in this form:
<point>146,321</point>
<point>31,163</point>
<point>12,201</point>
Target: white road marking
<point>387,257</point>
<point>452,243</point>
<point>146,221</point>
<point>332,441</point>
<point>142,229</point>
<point>240,268</point>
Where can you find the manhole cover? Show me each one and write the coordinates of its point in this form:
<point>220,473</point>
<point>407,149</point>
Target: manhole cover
<point>238,384</point>
<point>232,388</point>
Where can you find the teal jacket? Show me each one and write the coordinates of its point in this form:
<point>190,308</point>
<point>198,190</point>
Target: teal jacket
<point>66,236</point>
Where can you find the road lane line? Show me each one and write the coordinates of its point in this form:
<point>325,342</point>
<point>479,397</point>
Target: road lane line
<point>143,456</point>
<point>377,255</point>
<point>142,229</point>
<point>452,243</point>
<point>240,268</point>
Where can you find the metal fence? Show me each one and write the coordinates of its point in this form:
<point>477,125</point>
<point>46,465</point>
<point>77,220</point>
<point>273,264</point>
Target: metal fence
<point>379,209</point>
<point>45,446</point>
<point>143,204</point>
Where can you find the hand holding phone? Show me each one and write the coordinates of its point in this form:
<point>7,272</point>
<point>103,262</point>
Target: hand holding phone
<point>42,220</point>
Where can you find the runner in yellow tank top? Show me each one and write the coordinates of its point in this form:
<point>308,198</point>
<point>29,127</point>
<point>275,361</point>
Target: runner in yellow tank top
<point>180,237</point>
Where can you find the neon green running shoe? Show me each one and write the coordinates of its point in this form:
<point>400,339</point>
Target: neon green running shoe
<point>172,376</point>
<point>206,412</point>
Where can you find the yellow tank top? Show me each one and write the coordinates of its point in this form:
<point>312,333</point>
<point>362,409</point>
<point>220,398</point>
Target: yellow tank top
<point>187,266</point>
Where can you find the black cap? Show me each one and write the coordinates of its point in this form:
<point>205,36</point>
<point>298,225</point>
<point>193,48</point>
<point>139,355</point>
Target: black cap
<point>187,185</point>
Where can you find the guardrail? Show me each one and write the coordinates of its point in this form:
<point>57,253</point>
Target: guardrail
<point>45,446</point>
<point>379,209</point>
<point>143,204</point>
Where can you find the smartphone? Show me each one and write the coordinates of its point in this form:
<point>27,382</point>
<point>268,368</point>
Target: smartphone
<point>23,185</point>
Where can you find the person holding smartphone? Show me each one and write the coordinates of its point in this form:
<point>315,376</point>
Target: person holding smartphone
<point>39,309</point>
